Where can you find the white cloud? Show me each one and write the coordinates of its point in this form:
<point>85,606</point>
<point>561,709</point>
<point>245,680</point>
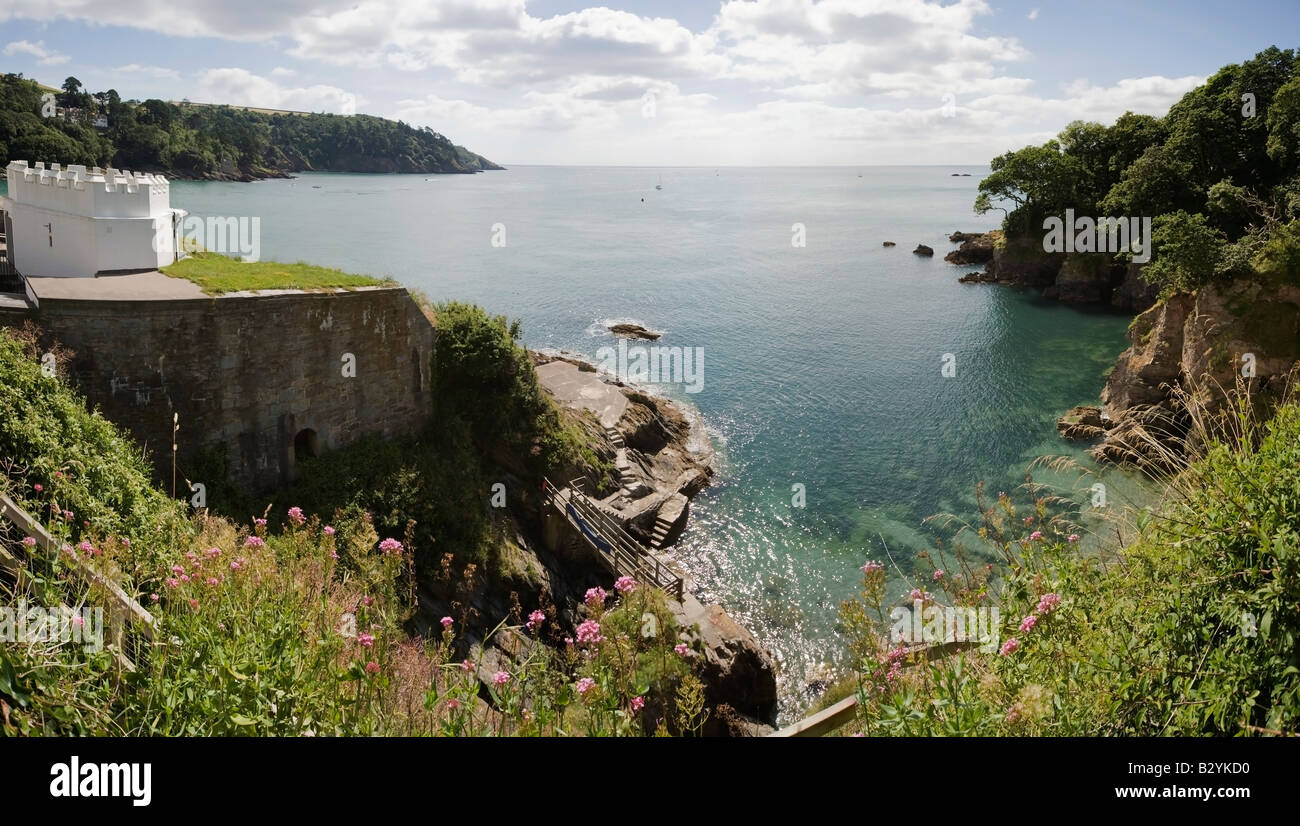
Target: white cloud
<point>1033,14</point>
<point>44,57</point>
<point>159,72</point>
<point>242,87</point>
<point>766,81</point>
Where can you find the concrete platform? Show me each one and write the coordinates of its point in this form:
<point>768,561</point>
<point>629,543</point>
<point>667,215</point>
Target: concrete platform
<point>142,286</point>
<point>14,302</point>
<point>573,388</point>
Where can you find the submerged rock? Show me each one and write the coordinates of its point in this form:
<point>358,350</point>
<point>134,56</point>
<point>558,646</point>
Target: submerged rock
<point>889,244</point>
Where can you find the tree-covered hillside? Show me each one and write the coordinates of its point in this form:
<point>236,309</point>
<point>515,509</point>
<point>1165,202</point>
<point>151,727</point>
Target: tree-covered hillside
<point>1219,174</point>
<point>202,141</point>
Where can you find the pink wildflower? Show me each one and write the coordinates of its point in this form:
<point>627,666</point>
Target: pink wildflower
<point>1047,603</point>
<point>446,622</point>
<point>212,553</point>
<point>535,619</point>
<point>625,585</point>
<point>466,665</point>
<point>254,542</point>
<point>1074,537</point>
<point>296,515</point>
<point>366,639</point>
<point>37,487</point>
<point>938,575</point>
<point>1036,536</point>
<point>78,620</point>
<point>1009,647</point>
<point>372,667</point>
<point>234,565</point>
<point>500,678</point>
<point>85,547</point>
<point>589,632</point>
<point>259,522</point>
<point>682,649</point>
<point>390,546</point>
<point>329,530</point>
<point>185,577</point>
<point>638,703</point>
<point>178,570</point>
<point>153,597</point>
<point>584,685</point>
<point>595,596</point>
<point>1027,624</point>
<point>173,582</point>
<point>213,581</point>
<point>194,604</point>
<point>29,541</point>
<point>453,704</point>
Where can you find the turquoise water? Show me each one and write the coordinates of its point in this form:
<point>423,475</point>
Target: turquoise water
<point>822,364</point>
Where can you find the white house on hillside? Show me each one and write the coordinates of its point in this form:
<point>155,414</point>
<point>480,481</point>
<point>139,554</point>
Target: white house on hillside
<point>76,222</point>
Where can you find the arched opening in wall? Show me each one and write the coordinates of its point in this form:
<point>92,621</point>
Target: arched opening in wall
<point>305,444</point>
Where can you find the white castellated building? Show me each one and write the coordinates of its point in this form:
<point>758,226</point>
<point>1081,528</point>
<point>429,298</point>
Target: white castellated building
<point>75,222</point>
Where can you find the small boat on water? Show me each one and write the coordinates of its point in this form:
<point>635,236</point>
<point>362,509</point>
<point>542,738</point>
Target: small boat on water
<point>660,185</point>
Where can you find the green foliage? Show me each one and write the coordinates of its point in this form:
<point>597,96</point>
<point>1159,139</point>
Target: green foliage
<point>1279,259</point>
<point>1226,151</point>
<point>84,465</point>
<point>1189,252</point>
<point>484,384</point>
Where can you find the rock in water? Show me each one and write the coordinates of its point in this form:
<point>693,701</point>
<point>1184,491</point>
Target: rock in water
<point>1083,422</point>
<point>922,249</point>
<point>889,244</point>
<point>633,331</point>
<point>976,248</point>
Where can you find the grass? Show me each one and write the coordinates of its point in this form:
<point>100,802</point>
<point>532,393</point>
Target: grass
<point>217,274</point>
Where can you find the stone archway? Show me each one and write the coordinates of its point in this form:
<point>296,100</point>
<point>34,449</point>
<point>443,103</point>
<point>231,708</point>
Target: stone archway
<point>305,444</point>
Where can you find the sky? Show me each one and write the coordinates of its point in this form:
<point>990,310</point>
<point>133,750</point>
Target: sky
<point>676,83</point>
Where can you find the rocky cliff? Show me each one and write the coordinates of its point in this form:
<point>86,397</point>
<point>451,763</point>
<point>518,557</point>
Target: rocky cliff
<point>1184,353</point>
<point>662,459</point>
<point>1076,278</point>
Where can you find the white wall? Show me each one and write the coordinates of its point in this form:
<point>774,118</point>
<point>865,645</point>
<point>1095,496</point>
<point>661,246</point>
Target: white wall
<point>84,246</point>
<point>98,221</point>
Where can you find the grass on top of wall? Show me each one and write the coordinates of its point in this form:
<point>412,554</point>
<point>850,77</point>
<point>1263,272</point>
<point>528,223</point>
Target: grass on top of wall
<point>217,274</point>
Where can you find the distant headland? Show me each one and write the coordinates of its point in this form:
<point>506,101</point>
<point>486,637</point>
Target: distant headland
<point>201,141</point>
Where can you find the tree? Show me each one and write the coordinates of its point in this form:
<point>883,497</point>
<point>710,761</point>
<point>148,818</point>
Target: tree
<point>1039,180</point>
<point>1186,250</point>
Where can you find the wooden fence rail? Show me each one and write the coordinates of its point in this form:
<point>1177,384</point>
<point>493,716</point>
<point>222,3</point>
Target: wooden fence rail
<point>127,619</point>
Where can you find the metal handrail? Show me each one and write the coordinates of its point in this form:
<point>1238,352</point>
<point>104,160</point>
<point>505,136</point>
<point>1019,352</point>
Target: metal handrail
<point>626,554</point>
